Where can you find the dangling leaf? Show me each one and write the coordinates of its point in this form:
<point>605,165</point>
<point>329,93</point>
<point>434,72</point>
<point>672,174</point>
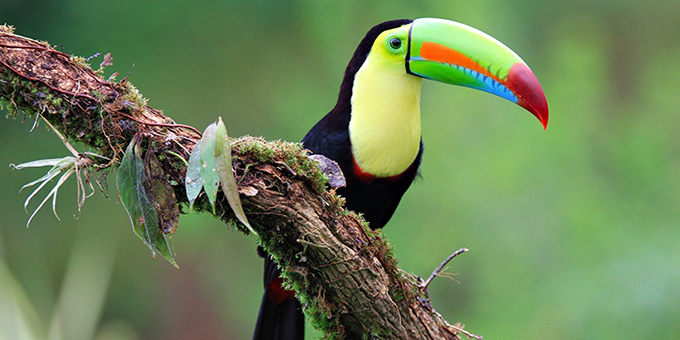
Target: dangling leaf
<point>138,203</point>
<point>163,198</point>
<point>211,180</point>
<point>209,165</point>
<point>133,195</point>
<point>193,183</point>
<point>226,174</point>
<point>164,247</point>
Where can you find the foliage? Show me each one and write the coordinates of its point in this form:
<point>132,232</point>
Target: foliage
<point>209,166</point>
<point>141,205</point>
<point>226,174</point>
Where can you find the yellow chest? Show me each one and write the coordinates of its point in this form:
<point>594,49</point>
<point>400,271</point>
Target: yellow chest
<point>385,125</point>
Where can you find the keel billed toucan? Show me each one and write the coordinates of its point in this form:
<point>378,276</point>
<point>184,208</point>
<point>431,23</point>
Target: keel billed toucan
<point>373,132</point>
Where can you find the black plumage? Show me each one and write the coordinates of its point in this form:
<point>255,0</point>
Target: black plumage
<point>376,198</point>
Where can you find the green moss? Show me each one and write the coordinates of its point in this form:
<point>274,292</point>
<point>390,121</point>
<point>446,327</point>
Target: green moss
<point>31,98</point>
<point>315,306</point>
<point>20,95</point>
<point>359,217</point>
<point>80,61</point>
<point>293,155</point>
<point>132,99</point>
<point>97,95</point>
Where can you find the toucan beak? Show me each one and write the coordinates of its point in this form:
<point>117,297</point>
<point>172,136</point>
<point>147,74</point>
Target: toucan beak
<point>457,54</point>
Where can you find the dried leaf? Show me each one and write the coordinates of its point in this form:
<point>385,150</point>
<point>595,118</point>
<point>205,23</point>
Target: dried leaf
<point>161,193</point>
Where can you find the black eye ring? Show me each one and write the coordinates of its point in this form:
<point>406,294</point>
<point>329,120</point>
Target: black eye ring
<point>395,43</point>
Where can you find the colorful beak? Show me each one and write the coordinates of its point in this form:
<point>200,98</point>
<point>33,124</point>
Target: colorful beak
<point>457,54</point>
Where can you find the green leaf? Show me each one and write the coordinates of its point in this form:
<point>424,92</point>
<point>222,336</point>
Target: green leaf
<point>211,180</point>
<point>133,195</point>
<point>226,174</point>
<point>193,183</point>
<point>164,247</point>
<point>127,184</point>
<point>138,204</point>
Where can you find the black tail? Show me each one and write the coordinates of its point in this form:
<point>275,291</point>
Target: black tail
<point>281,316</point>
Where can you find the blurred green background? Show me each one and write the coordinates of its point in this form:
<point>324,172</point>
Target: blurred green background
<point>574,232</point>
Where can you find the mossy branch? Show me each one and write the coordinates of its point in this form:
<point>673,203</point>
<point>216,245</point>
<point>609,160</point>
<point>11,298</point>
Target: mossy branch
<point>343,273</point>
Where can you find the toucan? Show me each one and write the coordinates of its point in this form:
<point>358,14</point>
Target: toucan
<point>374,133</point>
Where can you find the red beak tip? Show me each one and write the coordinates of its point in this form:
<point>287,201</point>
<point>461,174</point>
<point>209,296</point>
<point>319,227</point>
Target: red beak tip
<point>523,83</point>
<point>541,114</point>
<point>543,117</point>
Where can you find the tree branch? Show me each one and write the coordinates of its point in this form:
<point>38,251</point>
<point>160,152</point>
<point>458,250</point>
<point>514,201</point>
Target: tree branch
<point>343,273</point>
<point>439,268</point>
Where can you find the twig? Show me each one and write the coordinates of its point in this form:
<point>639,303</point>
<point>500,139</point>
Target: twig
<point>63,139</point>
<point>173,125</point>
<point>441,266</point>
<point>459,329</point>
<point>38,47</point>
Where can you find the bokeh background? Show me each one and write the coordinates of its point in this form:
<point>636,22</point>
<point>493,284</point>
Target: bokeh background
<point>574,232</point>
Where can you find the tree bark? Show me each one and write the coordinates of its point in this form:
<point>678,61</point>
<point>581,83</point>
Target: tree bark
<point>343,273</point>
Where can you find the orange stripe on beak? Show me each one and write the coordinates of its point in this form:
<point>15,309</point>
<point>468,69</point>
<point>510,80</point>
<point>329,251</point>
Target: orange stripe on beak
<point>440,53</point>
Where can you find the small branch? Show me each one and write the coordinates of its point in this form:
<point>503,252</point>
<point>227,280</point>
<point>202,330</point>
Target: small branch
<point>63,139</point>
<point>457,328</point>
<point>161,124</point>
<point>441,266</point>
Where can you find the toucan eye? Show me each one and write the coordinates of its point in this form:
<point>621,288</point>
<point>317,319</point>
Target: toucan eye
<point>395,43</point>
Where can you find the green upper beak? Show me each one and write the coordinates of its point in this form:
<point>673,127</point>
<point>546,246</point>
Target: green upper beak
<point>457,54</point>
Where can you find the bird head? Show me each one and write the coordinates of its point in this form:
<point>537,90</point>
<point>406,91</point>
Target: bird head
<point>457,54</point>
